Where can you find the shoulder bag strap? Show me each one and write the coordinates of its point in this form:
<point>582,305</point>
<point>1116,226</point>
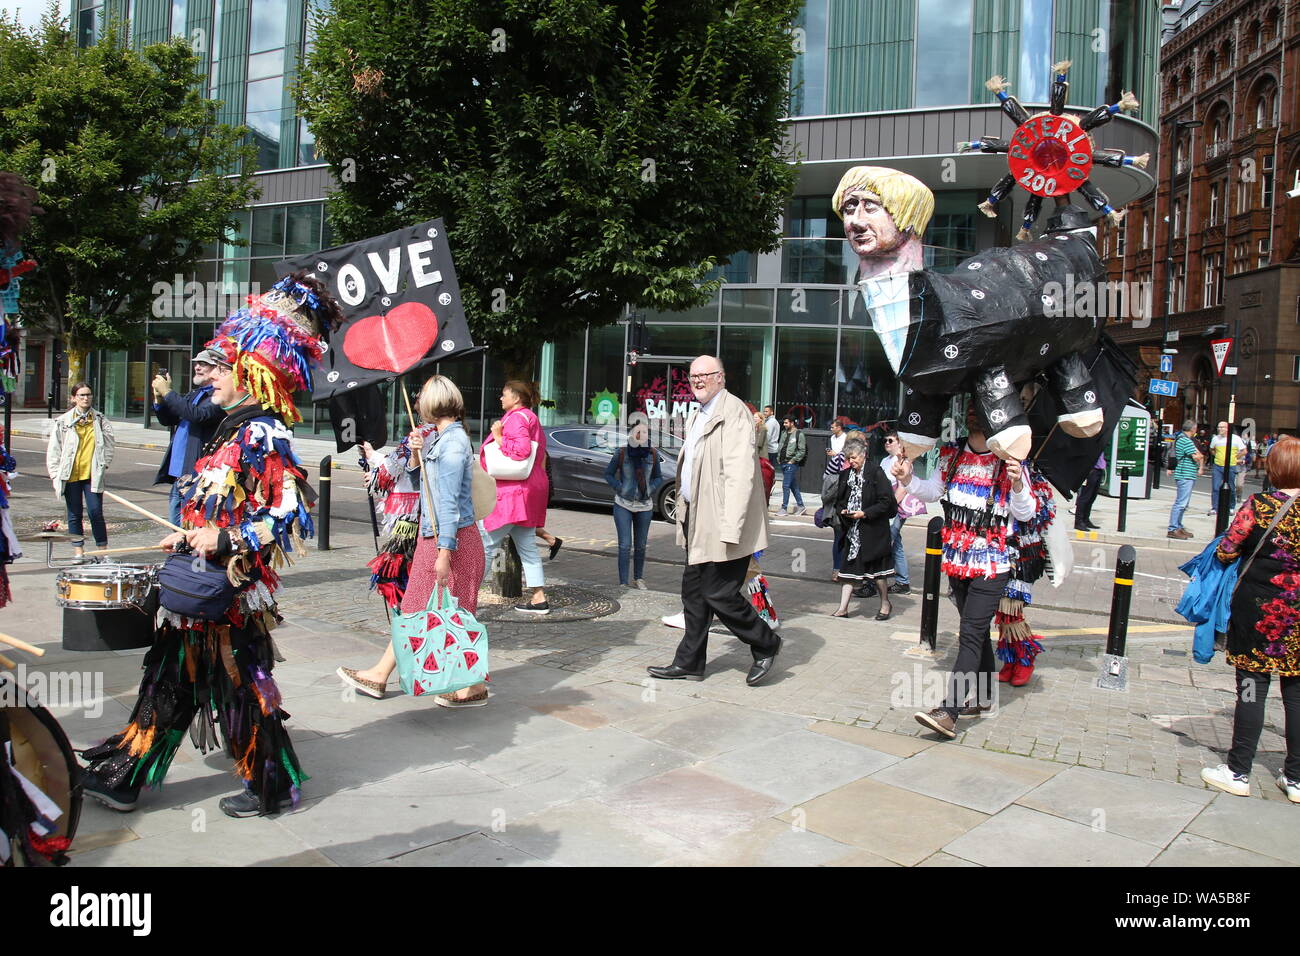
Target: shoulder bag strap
<point>1281,513</point>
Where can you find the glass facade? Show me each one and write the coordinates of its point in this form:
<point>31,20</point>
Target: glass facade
<point>943,40</point>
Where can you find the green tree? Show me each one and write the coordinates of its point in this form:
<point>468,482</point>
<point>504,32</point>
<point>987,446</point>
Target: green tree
<point>129,162</point>
<point>583,154</point>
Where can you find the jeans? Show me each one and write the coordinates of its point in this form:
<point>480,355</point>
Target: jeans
<point>633,531</point>
<point>972,675</point>
<point>900,559</point>
<point>1248,721</point>
<point>525,540</point>
<point>174,504</point>
<point>1217,478</point>
<point>790,483</point>
<point>1181,498</point>
<point>72,495</point>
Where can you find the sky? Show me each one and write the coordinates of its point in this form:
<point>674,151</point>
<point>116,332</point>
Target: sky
<point>30,11</point>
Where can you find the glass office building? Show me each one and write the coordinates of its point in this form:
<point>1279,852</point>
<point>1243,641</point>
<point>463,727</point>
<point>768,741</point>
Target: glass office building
<point>883,82</point>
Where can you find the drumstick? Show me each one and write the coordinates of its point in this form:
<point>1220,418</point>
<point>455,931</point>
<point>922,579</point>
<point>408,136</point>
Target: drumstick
<point>6,662</point>
<point>143,547</point>
<point>22,645</point>
<point>148,514</point>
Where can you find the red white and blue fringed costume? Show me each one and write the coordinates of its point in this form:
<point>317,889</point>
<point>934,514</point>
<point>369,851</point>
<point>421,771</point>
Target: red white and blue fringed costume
<point>982,539</point>
<point>216,675</point>
<point>395,489</point>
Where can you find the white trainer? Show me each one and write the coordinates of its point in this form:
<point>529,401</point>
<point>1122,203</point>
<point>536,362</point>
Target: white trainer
<point>677,620</point>
<point>1224,779</point>
<point>1289,787</point>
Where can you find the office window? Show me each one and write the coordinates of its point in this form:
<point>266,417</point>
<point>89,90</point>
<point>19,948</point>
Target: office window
<point>1121,239</point>
<point>1146,231</point>
<point>1035,51</point>
<point>1212,291</point>
<point>179,9</point>
<point>1243,196</point>
<point>942,62</point>
<point>808,71</point>
<point>805,374</point>
<point>1266,183</point>
<point>1179,289</point>
<point>1178,218</point>
<point>1295,368</point>
<point>1265,253</point>
<point>1214,203</point>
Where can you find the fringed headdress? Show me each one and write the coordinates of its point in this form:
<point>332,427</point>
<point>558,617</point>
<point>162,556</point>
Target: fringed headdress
<point>273,340</point>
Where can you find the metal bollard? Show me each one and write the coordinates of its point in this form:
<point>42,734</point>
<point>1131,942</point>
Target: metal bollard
<point>1123,501</point>
<point>930,599</point>
<point>323,524</point>
<point>1221,516</point>
<point>1114,666</point>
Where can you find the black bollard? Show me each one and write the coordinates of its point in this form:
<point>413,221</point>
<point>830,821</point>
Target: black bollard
<point>933,565</point>
<point>1221,507</point>
<point>1114,673</point>
<point>1123,500</point>
<point>323,518</point>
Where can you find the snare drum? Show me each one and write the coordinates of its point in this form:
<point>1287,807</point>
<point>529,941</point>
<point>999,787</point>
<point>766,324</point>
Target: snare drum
<point>96,587</point>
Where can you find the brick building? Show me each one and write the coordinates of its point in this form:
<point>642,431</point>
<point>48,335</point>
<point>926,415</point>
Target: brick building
<point>1218,240</point>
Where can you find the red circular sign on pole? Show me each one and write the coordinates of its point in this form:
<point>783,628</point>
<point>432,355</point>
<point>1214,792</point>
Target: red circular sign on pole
<point>1050,155</point>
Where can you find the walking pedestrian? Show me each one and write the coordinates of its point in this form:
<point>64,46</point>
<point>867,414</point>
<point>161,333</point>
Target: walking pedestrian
<point>1263,625</point>
<point>245,506</point>
<point>635,475</point>
<point>1225,452</point>
<point>437,464</point>
<point>79,451</point>
<point>773,430</point>
<point>1187,465</point>
<point>995,514</point>
<point>864,505</point>
<point>1088,494</point>
<point>521,502</point>
<point>721,522</point>
<point>909,506</point>
<point>791,452</point>
<point>193,418</point>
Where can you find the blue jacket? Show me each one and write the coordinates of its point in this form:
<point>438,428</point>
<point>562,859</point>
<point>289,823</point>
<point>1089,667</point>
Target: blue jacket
<point>1207,599</point>
<point>620,474</point>
<point>450,482</point>
<point>199,415</point>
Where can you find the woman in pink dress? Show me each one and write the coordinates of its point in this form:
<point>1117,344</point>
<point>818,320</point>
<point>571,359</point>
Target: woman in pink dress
<point>521,505</point>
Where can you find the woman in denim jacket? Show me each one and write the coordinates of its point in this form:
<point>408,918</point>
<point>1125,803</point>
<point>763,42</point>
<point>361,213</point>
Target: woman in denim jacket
<point>449,552</point>
<point>634,474</point>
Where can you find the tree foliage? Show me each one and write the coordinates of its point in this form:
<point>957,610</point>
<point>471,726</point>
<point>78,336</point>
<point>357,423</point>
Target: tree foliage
<point>583,154</point>
<point>129,163</point>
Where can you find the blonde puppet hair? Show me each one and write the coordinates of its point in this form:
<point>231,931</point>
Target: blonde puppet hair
<point>907,199</point>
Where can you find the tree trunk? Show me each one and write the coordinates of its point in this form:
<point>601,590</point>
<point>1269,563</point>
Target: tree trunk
<point>77,362</point>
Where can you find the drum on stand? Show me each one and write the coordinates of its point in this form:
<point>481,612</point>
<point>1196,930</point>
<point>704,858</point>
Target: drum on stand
<point>39,750</point>
<point>108,606</point>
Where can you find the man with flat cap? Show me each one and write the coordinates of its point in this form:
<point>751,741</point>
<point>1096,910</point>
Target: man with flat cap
<point>722,522</point>
<point>194,419</point>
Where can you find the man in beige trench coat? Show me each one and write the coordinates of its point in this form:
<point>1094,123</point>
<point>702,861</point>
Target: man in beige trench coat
<point>721,521</point>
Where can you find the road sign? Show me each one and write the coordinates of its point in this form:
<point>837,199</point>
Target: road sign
<point>1166,364</point>
<point>1160,386</point>
<point>1172,337</point>
<point>1230,370</point>
<point>1221,348</point>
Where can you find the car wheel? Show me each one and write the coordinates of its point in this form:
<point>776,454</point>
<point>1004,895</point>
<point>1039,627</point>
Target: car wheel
<point>667,506</point>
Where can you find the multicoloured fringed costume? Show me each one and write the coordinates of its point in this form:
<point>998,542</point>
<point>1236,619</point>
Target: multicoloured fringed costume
<point>395,489</point>
<point>249,483</point>
<point>982,539</point>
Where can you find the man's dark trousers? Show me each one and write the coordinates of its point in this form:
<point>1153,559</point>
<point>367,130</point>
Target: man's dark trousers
<point>710,588</point>
<point>1083,507</point>
<point>972,677</point>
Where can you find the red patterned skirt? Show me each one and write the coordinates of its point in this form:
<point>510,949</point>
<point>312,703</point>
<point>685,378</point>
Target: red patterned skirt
<point>466,572</point>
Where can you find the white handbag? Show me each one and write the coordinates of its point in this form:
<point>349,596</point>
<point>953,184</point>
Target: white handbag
<point>502,466</point>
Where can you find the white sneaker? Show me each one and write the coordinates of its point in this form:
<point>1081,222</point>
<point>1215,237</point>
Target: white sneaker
<point>641,585</point>
<point>677,620</point>
<point>782,513</point>
<point>1224,779</point>
<point>1289,787</point>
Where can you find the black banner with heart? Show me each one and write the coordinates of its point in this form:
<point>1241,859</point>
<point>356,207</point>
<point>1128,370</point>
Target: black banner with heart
<point>401,304</point>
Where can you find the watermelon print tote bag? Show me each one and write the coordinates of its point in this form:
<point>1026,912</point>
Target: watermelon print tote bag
<point>440,650</point>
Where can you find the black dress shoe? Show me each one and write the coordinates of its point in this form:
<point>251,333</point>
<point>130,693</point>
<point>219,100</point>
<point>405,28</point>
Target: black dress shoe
<point>673,672</point>
<point>762,667</point>
<point>1093,527</point>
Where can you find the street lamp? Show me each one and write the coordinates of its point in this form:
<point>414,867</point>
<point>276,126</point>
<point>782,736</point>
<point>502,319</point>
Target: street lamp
<point>1178,127</point>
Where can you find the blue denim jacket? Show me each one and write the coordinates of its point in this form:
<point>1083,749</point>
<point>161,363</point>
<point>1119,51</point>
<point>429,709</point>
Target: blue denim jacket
<point>447,457</point>
<point>624,484</point>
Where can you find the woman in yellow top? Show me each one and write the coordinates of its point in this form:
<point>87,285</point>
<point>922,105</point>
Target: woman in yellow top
<point>79,452</point>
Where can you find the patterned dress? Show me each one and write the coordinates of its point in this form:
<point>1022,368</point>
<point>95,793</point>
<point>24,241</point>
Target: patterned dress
<point>1264,628</point>
<point>210,675</point>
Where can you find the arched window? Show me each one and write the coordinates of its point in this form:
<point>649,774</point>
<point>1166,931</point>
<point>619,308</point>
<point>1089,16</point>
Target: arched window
<point>1225,54</point>
<point>1211,67</point>
<point>1268,29</point>
<point>1266,101</point>
<point>1255,33</point>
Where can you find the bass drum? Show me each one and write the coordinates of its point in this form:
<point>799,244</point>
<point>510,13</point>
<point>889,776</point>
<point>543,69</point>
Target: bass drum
<point>42,754</point>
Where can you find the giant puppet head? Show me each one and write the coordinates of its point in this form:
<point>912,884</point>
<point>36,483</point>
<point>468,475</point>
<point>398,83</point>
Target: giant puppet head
<point>990,327</point>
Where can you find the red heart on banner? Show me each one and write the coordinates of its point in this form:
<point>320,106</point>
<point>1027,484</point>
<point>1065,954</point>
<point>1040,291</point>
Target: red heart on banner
<point>394,341</point>
<point>470,659</point>
<point>417,642</point>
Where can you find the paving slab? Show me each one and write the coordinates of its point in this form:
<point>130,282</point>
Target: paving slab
<point>1019,836</point>
<point>1264,827</point>
<point>798,766</point>
<point>946,860</point>
<point>1187,849</point>
<point>1148,810</point>
<point>589,833</point>
<point>980,780</point>
<point>692,805</point>
<point>891,822</point>
<point>709,729</point>
<point>474,849</point>
<point>775,843</point>
<point>896,744</point>
<point>221,841</point>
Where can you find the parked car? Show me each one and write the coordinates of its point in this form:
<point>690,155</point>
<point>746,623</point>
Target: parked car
<point>577,456</point>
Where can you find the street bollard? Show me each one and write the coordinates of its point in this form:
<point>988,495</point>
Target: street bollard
<point>1114,663</point>
<point>1123,500</point>
<point>1221,516</point>
<point>323,518</point>
<point>930,599</point>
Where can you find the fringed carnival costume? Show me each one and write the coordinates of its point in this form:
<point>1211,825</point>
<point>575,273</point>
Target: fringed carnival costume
<point>982,539</point>
<point>249,483</point>
<point>394,485</point>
